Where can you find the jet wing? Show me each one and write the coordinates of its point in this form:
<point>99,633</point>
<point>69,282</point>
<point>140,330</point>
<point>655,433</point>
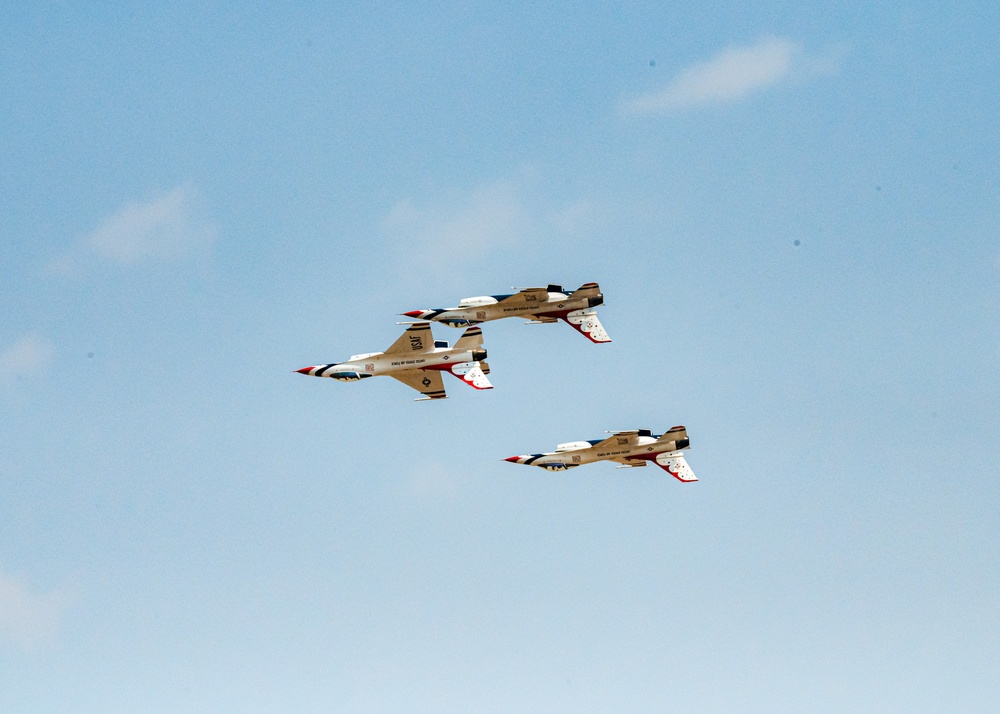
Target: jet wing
<point>624,463</point>
<point>417,338</point>
<point>473,374</point>
<point>427,382</point>
<point>619,439</point>
<point>674,464</point>
<point>586,323</point>
<point>527,297</point>
<point>541,319</point>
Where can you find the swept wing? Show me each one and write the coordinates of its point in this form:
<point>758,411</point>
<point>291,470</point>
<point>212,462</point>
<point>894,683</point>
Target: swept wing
<point>586,323</point>
<point>416,338</point>
<point>674,464</point>
<point>619,439</point>
<point>527,297</point>
<point>473,374</point>
<point>427,382</point>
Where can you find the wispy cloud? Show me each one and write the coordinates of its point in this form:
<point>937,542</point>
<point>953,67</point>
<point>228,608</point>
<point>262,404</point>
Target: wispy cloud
<point>168,227</point>
<point>29,355</point>
<point>466,225</point>
<point>731,75</point>
<point>574,218</point>
<point>29,618</point>
<point>461,227</point>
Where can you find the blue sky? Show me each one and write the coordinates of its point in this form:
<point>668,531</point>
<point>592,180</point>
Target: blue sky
<point>792,213</point>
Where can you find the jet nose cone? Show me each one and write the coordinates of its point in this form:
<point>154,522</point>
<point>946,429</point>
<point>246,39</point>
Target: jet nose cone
<point>305,370</point>
<point>512,459</point>
<point>413,313</point>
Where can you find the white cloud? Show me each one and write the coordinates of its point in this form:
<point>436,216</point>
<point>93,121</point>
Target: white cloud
<point>29,355</point>
<point>729,76</point>
<point>168,227</point>
<point>494,220</point>
<point>27,618</point>
<point>466,226</point>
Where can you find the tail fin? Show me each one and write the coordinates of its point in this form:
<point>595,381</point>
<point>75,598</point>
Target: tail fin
<point>470,339</point>
<point>591,291</point>
<point>678,435</point>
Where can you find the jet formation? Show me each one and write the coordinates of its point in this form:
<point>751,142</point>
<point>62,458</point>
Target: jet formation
<point>418,360</point>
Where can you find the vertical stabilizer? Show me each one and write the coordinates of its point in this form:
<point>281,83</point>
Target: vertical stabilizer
<point>470,339</point>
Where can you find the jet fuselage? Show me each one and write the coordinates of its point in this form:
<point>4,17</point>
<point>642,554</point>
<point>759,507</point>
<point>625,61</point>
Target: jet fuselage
<point>375,364</point>
<point>495,307</point>
<point>627,448</point>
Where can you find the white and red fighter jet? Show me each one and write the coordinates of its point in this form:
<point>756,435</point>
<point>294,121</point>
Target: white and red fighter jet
<point>538,305</point>
<point>627,448</point>
<point>417,360</point>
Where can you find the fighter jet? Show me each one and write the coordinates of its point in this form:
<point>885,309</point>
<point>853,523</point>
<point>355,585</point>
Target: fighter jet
<point>417,360</point>
<point>539,305</point>
<point>628,448</point>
